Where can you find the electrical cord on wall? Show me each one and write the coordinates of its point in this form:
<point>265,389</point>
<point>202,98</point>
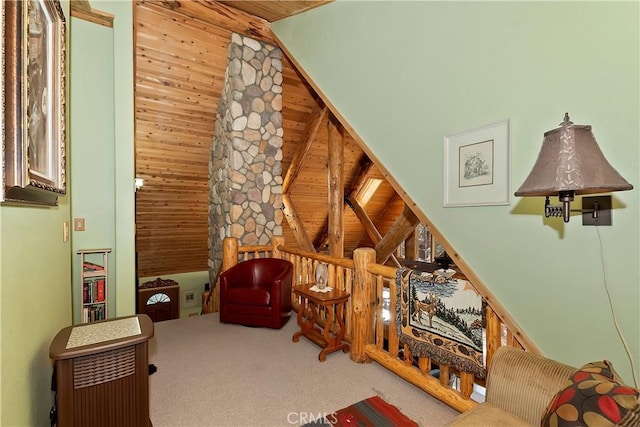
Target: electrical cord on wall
<point>613,313</point>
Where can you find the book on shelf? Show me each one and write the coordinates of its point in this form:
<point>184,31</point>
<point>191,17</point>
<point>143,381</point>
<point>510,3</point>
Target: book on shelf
<point>100,290</point>
<point>93,313</point>
<point>85,292</point>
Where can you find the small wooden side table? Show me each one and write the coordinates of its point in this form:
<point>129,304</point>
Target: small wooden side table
<point>334,302</point>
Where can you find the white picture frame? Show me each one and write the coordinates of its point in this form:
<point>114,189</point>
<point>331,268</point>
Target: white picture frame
<point>189,298</point>
<point>477,166</point>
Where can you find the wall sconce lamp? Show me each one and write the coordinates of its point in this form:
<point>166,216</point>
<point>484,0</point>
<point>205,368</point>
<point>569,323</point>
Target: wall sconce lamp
<point>571,163</point>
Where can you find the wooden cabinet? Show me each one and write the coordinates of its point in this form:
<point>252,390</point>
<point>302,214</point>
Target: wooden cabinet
<point>94,279</point>
<point>102,373</point>
<point>159,299</point>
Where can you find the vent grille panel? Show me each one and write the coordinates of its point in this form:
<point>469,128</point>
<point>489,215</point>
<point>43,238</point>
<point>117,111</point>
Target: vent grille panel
<point>104,367</point>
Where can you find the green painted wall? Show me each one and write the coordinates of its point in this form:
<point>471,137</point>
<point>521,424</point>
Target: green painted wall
<point>92,157</point>
<point>125,240</point>
<point>103,149</point>
<point>188,282</point>
<point>35,264</point>
<point>35,303</point>
<point>405,74</point>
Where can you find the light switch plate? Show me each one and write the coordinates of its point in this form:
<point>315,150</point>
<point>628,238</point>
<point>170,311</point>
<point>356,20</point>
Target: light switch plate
<point>78,224</point>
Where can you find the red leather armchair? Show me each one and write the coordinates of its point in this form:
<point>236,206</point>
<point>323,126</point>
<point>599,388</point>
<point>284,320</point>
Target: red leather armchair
<point>257,292</point>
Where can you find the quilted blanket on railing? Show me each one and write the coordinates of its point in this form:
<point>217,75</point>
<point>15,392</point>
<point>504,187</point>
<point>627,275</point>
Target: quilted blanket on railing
<point>440,318</point>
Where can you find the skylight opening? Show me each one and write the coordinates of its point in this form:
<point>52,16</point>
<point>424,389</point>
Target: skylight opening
<point>368,190</point>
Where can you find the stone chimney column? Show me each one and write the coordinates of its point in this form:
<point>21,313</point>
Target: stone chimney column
<point>245,169</point>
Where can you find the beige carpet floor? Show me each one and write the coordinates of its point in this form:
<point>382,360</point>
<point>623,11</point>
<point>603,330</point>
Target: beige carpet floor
<point>213,374</point>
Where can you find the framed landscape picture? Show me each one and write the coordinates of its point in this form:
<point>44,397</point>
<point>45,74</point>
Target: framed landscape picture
<point>34,99</point>
<point>476,166</point>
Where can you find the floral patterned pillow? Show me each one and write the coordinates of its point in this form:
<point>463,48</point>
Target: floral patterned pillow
<point>594,396</point>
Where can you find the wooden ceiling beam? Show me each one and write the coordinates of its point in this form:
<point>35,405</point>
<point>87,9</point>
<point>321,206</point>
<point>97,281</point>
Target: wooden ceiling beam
<point>318,114</point>
<point>402,228</point>
<point>296,225</point>
<point>221,16</point>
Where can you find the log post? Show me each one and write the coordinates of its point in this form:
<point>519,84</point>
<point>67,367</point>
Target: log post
<point>336,190</point>
<point>229,259</point>
<point>229,253</point>
<point>411,245</point>
<point>466,384</point>
<point>275,242</point>
<point>494,334</point>
<point>362,301</point>
<point>444,374</point>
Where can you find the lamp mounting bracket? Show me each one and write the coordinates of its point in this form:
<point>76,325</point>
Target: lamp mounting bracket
<point>596,210</point>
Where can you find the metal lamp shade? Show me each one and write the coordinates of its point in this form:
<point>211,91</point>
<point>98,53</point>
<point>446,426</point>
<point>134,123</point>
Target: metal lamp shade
<point>570,160</point>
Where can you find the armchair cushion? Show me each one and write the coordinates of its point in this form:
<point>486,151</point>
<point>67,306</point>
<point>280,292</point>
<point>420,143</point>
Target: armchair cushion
<point>248,296</point>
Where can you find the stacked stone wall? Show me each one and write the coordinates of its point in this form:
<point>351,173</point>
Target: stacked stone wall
<point>245,167</point>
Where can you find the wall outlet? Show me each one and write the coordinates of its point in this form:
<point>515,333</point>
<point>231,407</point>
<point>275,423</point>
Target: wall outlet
<point>78,224</point>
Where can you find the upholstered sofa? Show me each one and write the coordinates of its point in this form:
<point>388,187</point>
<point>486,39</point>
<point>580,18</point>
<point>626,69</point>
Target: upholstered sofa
<point>526,389</point>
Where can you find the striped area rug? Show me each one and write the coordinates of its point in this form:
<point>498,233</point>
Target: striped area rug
<point>371,412</point>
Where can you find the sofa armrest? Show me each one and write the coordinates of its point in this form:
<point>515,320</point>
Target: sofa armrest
<point>524,383</point>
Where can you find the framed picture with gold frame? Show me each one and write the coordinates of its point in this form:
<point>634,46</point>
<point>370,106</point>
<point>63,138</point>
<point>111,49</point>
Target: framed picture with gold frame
<point>34,98</point>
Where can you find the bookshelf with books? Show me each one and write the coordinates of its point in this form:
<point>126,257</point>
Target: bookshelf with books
<point>94,279</point>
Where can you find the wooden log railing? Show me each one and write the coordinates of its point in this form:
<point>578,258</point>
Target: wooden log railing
<point>341,270</point>
<point>371,337</point>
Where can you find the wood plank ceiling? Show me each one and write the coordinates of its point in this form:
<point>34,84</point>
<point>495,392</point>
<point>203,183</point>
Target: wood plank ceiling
<point>181,49</point>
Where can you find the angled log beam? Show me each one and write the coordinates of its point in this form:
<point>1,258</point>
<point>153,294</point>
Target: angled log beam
<point>297,227</point>
<point>369,226</point>
<point>365,220</point>
<point>336,188</point>
<point>402,227</point>
<point>221,16</point>
<point>318,114</point>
